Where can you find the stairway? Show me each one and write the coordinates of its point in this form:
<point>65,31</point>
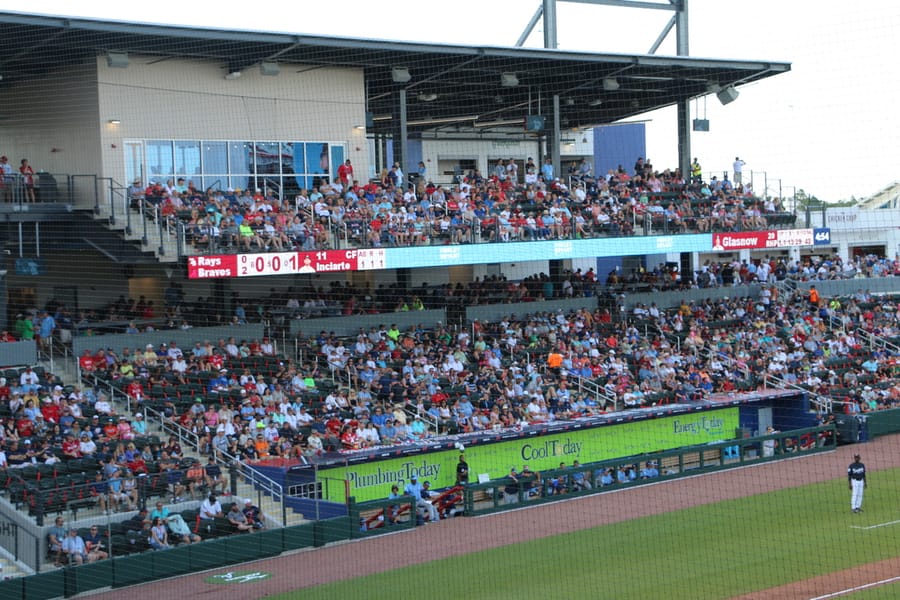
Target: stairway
<point>10,569</point>
<point>140,230</point>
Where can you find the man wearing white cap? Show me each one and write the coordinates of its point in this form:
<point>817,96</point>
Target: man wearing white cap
<point>139,425</point>
<point>253,514</point>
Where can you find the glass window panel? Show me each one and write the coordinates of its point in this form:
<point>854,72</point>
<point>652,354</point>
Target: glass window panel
<point>134,163</point>
<point>268,158</point>
<point>287,158</point>
<point>187,158</point>
<point>214,182</point>
<point>239,182</point>
<point>298,163</point>
<point>214,157</point>
<point>317,161</point>
<point>337,157</point>
<point>160,162</point>
<point>240,157</point>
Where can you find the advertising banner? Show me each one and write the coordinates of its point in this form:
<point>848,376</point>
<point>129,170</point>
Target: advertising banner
<point>753,240</point>
<point>372,480</point>
<point>822,236</point>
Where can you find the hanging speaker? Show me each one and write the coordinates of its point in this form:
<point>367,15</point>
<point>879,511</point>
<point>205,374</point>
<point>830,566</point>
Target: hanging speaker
<point>534,123</point>
<point>727,95</point>
<point>117,60</point>
<point>269,69</point>
<point>701,125</point>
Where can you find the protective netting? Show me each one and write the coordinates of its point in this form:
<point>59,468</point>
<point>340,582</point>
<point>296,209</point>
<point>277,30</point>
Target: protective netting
<point>290,290</point>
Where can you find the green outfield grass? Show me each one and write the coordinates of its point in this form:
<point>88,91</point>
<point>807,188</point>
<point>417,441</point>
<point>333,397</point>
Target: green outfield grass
<point>713,551</point>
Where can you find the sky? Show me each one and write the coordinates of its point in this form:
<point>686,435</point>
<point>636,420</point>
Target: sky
<point>828,127</point>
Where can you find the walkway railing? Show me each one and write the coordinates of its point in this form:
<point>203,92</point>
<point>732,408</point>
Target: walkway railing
<point>823,403</point>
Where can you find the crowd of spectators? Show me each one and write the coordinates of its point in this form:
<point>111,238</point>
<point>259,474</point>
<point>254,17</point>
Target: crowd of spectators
<point>498,206</point>
<point>399,386</point>
<point>394,386</point>
<point>508,373</point>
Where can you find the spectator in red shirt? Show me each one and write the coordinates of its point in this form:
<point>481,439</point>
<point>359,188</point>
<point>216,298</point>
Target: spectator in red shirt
<point>111,431</point>
<point>137,465</point>
<point>345,173</point>
<point>24,426</point>
<point>135,391</point>
<point>70,447</point>
<point>50,410</point>
<point>87,362</point>
<point>349,438</point>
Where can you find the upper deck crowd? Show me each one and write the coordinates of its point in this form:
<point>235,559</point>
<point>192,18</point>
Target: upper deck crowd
<point>499,206</point>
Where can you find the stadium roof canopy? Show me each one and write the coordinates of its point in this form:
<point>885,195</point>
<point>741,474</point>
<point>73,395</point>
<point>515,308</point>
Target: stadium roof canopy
<point>498,85</point>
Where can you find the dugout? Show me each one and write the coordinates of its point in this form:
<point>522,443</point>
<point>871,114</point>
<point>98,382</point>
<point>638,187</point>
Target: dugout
<point>325,483</point>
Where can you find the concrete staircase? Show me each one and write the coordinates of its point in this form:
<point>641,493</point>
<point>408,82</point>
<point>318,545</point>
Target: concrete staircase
<point>10,569</point>
<point>139,227</point>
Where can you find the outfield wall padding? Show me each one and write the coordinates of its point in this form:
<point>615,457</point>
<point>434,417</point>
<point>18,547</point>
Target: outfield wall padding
<point>883,422</point>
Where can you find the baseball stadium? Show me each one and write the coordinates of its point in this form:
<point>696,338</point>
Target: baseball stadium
<point>322,315</point>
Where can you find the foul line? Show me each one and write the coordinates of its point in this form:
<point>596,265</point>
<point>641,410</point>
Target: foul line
<point>857,588</point>
<point>875,526</point>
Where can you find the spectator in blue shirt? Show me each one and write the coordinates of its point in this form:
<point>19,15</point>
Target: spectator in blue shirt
<point>547,170</point>
<point>174,478</point>
<point>48,326</point>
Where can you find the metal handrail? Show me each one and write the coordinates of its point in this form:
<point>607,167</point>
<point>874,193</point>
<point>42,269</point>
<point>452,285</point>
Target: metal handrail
<point>875,342</point>
<point>412,413</point>
<point>825,403</point>
<point>258,481</point>
<point>584,385</point>
<point>187,437</point>
<point>271,183</point>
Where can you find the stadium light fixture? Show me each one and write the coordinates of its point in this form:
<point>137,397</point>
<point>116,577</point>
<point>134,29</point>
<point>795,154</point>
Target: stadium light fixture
<point>499,123</point>
<point>442,120</point>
